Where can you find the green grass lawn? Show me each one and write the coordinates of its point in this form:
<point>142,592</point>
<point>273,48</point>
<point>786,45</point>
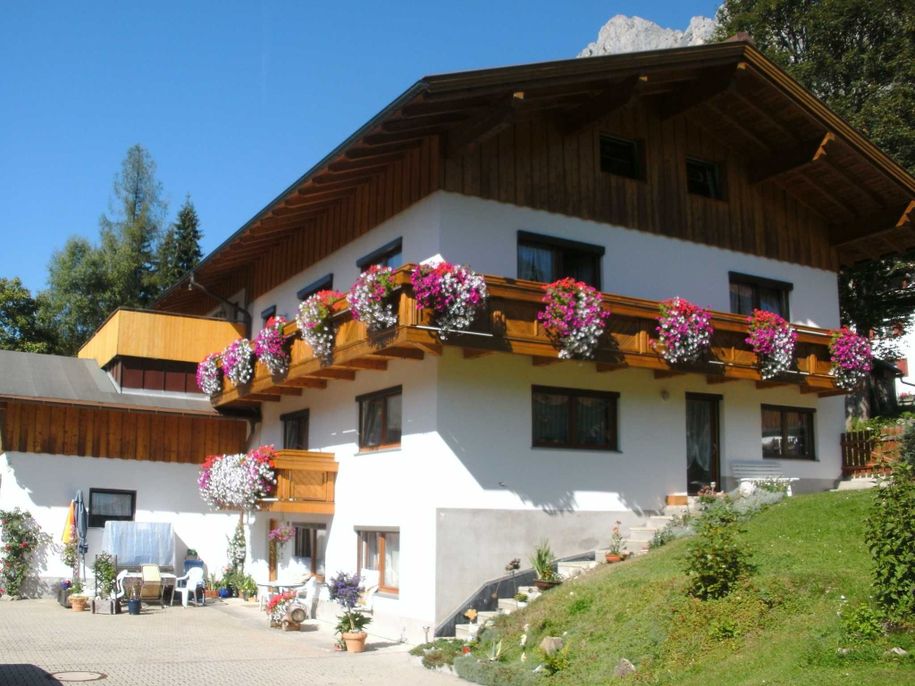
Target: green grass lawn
<point>782,628</point>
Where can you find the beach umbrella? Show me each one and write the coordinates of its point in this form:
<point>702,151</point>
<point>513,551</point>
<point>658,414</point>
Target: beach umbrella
<point>69,527</point>
<point>82,523</point>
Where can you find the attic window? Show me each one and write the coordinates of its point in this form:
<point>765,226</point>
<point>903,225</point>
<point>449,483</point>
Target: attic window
<point>704,178</point>
<point>621,157</point>
<point>325,283</point>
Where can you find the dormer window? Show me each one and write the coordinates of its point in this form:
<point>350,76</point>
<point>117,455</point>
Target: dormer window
<point>388,255</point>
<point>704,178</point>
<point>621,157</point>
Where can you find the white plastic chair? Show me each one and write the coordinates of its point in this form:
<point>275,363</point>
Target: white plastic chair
<point>370,581</point>
<point>191,582</point>
<point>307,595</point>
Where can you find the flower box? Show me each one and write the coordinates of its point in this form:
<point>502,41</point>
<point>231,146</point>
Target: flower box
<point>63,597</point>
<point>106,606</point>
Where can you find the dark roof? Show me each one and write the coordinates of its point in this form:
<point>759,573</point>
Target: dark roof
<point>70,380</point>
<point>459,106</point>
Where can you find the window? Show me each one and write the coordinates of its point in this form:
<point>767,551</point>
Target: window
<point>545,258</point>
<point>787,432</point>
<point>388,255</point>
<point>750,293</point>
<point>267,313</point>
<point>325,283</point>
<point>109,505</point>
<point>704,178</point>
<point>379,555</point>
<point>295,430</point>
<point>380,419</point>
<point>572,418</point>
<point>310,543</point>
<point>621,157</point>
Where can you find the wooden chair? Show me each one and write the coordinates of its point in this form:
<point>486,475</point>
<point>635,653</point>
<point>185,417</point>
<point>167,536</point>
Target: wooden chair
<point>152,589</point>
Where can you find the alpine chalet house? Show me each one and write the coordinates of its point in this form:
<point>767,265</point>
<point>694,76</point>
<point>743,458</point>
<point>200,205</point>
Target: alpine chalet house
<point>433,458</point>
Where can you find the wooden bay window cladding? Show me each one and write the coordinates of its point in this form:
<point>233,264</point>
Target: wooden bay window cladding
<point>58,429</point>
<point>509,324</point>
<point>788,432</point>
<point>574,418</point>
<point>305,482</point>
<point>379,554</point>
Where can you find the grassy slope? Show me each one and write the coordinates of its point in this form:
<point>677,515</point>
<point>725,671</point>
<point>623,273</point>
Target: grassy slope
<point>782,629</point>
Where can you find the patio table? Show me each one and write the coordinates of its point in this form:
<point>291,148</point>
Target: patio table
<point>268,588</point>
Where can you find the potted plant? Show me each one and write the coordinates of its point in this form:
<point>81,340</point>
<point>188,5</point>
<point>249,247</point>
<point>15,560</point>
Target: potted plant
<point>573,318</point>
<point>191,554</point>
<point>132,587</point>
<point>247,587</point>
<point>63,593</point>
<point>542,562</point>
<point>345,589</point>
<point>212,588</point>
<point>78,601</point>
<point>105,573</point>
<point>615,551</point>
<point>369,298</point>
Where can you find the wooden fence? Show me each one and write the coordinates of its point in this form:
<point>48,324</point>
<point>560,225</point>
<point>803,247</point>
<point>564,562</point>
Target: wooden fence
<point>863,452</point>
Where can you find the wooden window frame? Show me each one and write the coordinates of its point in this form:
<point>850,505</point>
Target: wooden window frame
<point>384,393</point>
<point>757,282</point>
<point>313,529</point>
<point>638,149</point>
<point>380,533</point>
<point>292,416</point>
<point>98,520</point>
<point>381,254</point>
<point>572,394</point>
<point>719,178</point>
<point>325,283</point>
<point>560,244</point>
<point>782,409</point>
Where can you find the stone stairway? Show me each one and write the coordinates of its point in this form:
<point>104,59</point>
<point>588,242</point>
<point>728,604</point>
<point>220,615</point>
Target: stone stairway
<point>468,631</point>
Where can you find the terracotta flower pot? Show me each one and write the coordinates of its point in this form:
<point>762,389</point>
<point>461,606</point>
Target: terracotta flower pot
<point>78,603</point>
<point>546,585</point>
<point>355,641</point>
<point>613,557</point>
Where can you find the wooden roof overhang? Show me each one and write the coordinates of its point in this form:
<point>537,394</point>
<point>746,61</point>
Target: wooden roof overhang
<point>792,138</point>
<point>510,325</point>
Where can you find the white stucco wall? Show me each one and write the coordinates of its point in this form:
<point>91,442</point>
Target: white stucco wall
<point>45,484</point>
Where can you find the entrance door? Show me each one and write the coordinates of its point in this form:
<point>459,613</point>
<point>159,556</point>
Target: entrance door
<point>702,441</point>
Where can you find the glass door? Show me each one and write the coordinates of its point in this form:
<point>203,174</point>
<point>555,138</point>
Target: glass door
<point>702,442</point>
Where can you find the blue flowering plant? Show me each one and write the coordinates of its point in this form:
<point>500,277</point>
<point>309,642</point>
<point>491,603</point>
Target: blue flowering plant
<point>345,589</point>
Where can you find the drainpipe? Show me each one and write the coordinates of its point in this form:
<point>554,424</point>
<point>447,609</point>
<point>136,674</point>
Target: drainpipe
<point>245,315</point>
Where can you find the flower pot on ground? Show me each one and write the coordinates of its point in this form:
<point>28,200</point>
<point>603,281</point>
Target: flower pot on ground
<point>133,606</point>
<point>542,562</point>
<point>106,606</point>
<point>345,590</point>
<point>78,603</point>
<point>615,551</point>
<point>613,558</point>
<point>355,641</point>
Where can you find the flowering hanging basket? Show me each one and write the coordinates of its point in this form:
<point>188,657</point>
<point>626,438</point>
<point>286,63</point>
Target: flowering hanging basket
<point>454,293</point>
<point>315,322</point>
<point>237,481</point>
<point>369,298</point>
<point>684,331</point>
<point>573,318</point>
<point>270,346</point>
<point>773,340</point>
<point>238,361</point>
<point>209,375</point>
<point>852,359</point>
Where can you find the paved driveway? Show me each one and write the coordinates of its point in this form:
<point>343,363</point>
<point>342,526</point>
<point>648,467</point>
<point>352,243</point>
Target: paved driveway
<point>224,643</point>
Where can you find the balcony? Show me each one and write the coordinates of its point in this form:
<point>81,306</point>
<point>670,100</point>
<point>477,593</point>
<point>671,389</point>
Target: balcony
<point>510,325</point>
<point>305,482</point>
<point>158,336</point>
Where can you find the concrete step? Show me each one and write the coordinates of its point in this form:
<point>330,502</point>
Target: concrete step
<point>509,605</point>
<point>641,533</point>
<point>466,631</point>
<point>859,484</point>
<point>569,570</point>
<point>659,521</point>
<point>485,615</point>
<point>531,591</point>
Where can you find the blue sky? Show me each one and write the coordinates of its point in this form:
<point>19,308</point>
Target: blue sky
<point>234,100</point>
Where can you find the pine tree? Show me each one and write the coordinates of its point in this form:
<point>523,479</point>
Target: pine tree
<point>179,251</point>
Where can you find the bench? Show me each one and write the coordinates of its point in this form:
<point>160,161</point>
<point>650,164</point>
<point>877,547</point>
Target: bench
<point>755,471</point>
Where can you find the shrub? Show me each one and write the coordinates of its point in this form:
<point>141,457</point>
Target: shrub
<point>21,536</point>
<point>439,653</point>
<point>890,537</point>
<point>716,561</point>
<point>478,671</point>
<point>862,622</point>
<point>907,445</point>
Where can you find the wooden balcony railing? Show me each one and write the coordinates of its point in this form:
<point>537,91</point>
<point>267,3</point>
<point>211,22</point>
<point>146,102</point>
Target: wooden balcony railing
<point>305,482</point>
<point>510,325</point>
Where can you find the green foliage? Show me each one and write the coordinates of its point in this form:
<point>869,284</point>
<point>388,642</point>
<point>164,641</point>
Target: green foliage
<point>21,327</point>
<point>907,445</point>
<point>69,554</point>
<point>20,537</point>
<point>105,573</point>
<point>858,56</point>
<point>489,673</point>
<point>237,550</point>
<point>890,536</point>
<point>179,251</point>
<point>556,662</point>
<point>542,562</point>
<point>439,653</point>
<point>862,623</point>
<point>521,597</point>
<point>716,561</point>
<point>352,621</point>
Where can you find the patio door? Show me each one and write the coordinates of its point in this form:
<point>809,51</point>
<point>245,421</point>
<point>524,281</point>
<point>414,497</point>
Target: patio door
<point>702,441</point>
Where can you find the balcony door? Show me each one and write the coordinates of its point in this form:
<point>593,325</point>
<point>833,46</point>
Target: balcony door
<point>703,461</point>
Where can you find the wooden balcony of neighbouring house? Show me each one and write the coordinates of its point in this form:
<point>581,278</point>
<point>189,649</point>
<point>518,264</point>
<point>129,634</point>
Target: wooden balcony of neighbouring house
<point>509,325</point>
<point>305,483</point>
<point>131,333</point>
